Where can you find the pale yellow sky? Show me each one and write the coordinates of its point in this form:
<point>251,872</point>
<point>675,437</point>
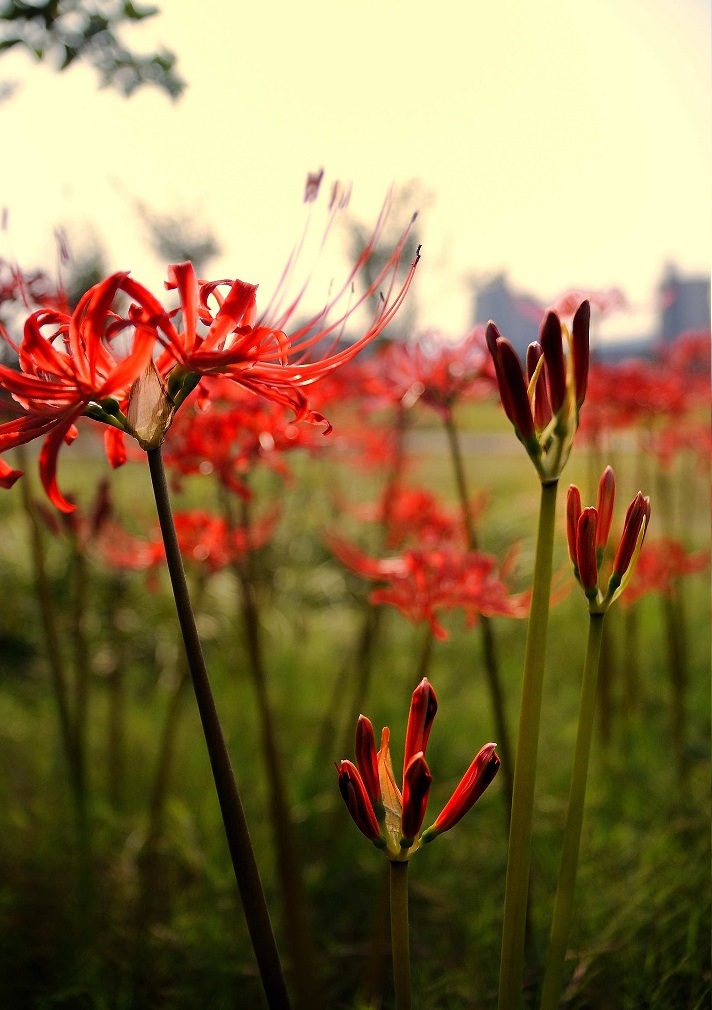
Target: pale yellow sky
<point>567,143</point>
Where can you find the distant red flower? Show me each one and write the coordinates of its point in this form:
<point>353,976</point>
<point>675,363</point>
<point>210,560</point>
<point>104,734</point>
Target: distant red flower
<point>415,516</point>
<point>203,538</point>
<point>235,433</point>
<point>661,566</point>
<point>423,583</point>
<point>391,817</point>
<point>431,370</point>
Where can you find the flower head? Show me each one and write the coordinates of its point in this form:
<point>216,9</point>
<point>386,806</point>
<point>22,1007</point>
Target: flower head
<point>544,404</point>
<point>100,361</point>
<point>587,535</point>
<point>392,817</point>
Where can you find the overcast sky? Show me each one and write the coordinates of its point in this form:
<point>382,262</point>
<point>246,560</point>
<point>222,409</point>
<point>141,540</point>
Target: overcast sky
<point>563,142</point>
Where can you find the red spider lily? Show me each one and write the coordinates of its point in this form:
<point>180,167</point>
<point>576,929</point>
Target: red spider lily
<point>203,538</point>
<point>587,534</point>
<point>661,566</point>
<point>233,434</point>
<point>70,372</point>
<point>220,334</point>
<point>431,370</point>
<point>544,404</point>
<point>414,515</point>
<point>422,583</point>
<point>391,817</point>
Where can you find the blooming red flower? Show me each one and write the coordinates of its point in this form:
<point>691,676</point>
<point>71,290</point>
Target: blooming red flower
<point>422,583</point>
<point>203,538</point>
<point>67,373</point>
<point>74,371</point>
<point>391,817</point>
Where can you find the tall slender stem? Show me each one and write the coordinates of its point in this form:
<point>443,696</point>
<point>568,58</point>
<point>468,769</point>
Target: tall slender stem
<point>400,940</point>
<point>520,835</point>
<point>297,924</point>
<point>489,645</point>
<point>238,837</point>
<point>563,905</point>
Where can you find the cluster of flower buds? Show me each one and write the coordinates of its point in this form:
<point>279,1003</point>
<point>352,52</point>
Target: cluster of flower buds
<point>391,817</point>
<point>544,404</point>
<point>587,532</point>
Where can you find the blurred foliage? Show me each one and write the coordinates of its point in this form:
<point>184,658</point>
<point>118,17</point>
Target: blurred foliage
<point>177,237</point>
<point>69,30</point>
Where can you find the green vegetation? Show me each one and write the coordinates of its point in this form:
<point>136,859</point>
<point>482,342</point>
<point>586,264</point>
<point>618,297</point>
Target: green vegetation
<point>641,931</point>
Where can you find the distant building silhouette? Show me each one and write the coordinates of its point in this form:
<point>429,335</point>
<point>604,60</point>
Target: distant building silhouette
<point>517,316</point>
<point>684,305</point>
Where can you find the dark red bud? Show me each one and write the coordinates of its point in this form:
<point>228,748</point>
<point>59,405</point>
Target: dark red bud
<point>367,759</point>
<point>357,800</point>
<point>573,512</point>
<point>604,505</point>
<point>513,390</point>
<point>474,782</point>
<point>542,407</point>
<point>580,349</point>
<point>586,549</point>
<point>638,510</point>
<point>553,348</point>
<point>423,706</point>
<point>416,787</point>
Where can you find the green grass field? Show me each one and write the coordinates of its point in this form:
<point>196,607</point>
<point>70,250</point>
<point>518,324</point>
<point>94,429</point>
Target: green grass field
<point>641,933</point>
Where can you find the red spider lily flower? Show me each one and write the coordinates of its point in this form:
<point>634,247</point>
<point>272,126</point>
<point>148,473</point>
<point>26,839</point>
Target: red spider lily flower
<point>544,405</point>
<point>202,537</point>
<point>422,583</point>
<point>415,516</point>
<point>220,334</point>
<point>586,542</point>
<point>431,370</point>
<point>69,372</point>
<point>661,566</point>
<point>394,820</point>
<point>474,782</point>
<point>234,434</point>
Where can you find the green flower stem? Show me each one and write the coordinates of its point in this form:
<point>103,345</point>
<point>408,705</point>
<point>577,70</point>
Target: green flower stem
<point>520,835</point>
<point>563,905</point>
<point>400,942</point>
<point>238,837</point>
<point>489,645</point>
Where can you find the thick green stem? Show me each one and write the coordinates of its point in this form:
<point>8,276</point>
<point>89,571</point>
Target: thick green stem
<point>520,835</point>
<point>400,941</point>
<point>236,831</point>
<point>489,645</point>
<point>563,905</point>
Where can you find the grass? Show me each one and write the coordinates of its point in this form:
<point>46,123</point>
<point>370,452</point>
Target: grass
<point>641,935</point>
